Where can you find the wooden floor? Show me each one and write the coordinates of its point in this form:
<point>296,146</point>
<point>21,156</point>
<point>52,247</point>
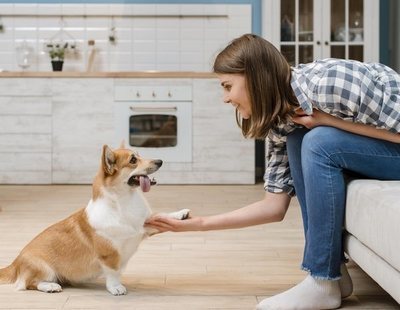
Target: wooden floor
<point>209,270</point>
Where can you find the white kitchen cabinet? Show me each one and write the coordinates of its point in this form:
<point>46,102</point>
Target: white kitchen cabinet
<point>25,131</point>
<point>218,144</point>
<point>82,122</point>
<point>305,30</point>
<point>52,131</point>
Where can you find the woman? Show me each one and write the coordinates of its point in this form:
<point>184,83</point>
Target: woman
<point>320,120</point>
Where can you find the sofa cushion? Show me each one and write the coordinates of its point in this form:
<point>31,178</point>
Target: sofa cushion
<point>373,217</point>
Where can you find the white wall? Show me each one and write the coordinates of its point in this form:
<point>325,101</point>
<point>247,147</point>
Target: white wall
<point>183,37</point>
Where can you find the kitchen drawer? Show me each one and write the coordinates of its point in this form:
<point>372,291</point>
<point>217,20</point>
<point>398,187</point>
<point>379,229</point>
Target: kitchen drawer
<point>30,143</point>
<point>25,177</point>
<point>25,168</point>
<point>25,105</point>
<point>25,162</point>
<point>22,87</point>
<point>25,124</point>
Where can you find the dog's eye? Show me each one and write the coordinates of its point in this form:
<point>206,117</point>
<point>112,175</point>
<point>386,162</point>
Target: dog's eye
<point>133,160</point>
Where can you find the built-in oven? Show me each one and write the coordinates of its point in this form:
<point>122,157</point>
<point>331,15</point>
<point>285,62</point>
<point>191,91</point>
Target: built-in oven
<point>156,121</point>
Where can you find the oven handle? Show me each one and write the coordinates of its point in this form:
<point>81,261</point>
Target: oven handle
<point>153,109</point>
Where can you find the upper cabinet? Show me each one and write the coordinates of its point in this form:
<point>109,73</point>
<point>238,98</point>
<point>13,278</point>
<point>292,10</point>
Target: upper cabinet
<point>305,30</point>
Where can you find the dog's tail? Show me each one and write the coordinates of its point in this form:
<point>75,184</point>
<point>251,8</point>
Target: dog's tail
<point>8,275</point>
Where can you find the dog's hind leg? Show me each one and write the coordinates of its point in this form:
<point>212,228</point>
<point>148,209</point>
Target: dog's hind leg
<point>37,275</point>
<point>49,287</point>
<point>37,281</point>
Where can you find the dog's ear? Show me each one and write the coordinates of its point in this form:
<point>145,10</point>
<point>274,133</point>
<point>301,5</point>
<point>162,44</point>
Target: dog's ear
<point>108,160</point>
<point>122,145</point>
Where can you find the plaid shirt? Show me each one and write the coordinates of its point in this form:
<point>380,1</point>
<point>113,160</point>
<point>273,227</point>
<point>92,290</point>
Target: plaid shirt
<point>367,93</point>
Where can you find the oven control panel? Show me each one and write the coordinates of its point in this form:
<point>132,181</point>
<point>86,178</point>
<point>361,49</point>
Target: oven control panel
<point>153,93</point>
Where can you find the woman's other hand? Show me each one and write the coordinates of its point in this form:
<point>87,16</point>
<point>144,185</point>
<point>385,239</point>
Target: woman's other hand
<point>318,118</point>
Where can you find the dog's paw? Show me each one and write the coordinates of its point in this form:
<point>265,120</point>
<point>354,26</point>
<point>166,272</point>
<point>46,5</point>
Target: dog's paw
<point>49,287</point>
<point>117,290</point>
<point>182,214</point>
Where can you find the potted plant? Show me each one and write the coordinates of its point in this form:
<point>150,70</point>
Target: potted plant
<point>57,53</point>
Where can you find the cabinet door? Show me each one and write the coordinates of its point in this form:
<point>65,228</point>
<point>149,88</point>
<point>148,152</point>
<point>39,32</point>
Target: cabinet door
<point>314,29</point>
<point>82,122</point>
<point>297,33</point>
<point>25,131</point>
<point>344,36</point>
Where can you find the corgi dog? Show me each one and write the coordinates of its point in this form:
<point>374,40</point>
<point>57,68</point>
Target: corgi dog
<point>98,239</point>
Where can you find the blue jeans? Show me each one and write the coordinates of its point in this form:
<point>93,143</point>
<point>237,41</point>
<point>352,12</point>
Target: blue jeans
<point>318,160</point>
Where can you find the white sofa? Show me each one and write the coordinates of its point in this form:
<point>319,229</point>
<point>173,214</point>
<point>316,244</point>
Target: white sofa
<point>372,224</point>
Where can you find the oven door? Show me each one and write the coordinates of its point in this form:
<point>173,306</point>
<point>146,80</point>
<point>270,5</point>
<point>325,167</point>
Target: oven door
<point>157,129</point>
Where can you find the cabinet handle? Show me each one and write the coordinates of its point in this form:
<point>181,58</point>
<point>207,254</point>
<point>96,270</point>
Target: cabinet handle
<point>153,108</point>
<point>326,43</point>
<point>137,94</point>
<point>318,42</point>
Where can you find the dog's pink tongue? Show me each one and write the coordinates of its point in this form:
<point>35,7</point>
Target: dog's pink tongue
<point>144,183</point>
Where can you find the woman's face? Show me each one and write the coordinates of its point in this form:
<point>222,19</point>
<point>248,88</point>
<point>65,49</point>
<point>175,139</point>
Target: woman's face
<point>235,93</point>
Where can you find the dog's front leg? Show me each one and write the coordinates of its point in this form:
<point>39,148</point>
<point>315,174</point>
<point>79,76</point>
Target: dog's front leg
<point>113,282</point>
<point>179,215</point>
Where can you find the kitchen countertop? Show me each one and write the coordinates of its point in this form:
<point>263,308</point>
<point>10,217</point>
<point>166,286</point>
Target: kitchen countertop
<point>136,74</point>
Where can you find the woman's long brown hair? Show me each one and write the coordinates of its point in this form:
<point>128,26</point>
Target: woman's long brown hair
<point>267,75</point>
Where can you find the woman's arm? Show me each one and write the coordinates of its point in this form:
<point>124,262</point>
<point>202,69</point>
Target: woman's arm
<point>271,209</point>
<point>319,118</point>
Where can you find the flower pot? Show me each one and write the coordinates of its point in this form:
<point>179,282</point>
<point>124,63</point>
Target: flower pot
<point>57,65</point>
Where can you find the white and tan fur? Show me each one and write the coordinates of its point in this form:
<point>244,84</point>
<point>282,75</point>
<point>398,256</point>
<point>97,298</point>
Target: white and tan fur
<point>96,240</point>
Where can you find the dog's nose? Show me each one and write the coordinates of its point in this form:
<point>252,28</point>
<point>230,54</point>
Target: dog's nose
<point>158,162</point>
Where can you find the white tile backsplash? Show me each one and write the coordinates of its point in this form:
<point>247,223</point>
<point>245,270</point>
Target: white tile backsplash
<point>168,9</point>
<point>190,34</point>
<point>97,9</point>
<point>143,46</point>
<point>6,8</point>
<point>72,9</point>
<point>194,9</point>
<point>118,9</point>
<point>25,8</point>
<point>193,22</point>
<point>6,45</point>
<point>218,9</point>
<point>144,9</point>
<point>194,45</point>
<point>172,37</point>
<point>167,34</point>
<point>50,9</point>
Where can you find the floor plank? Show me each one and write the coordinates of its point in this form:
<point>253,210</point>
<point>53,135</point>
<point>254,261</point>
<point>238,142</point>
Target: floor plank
<point>230,269</point>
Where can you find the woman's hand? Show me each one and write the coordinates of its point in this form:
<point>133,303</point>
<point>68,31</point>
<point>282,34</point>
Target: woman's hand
<point>318,118</point>
<point>270,209</point>
<point>164,223</point>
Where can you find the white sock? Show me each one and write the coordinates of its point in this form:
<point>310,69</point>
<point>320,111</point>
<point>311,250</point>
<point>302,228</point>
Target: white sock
<point>345,282</point>
<point>310,294</point>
